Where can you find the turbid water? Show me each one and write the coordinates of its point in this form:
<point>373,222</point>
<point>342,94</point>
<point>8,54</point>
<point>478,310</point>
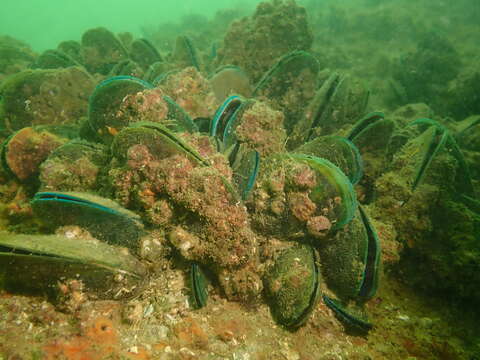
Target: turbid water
<point>211,180</point>
<point>43,24</point>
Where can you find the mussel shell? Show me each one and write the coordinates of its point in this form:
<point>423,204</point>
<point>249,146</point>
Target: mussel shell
<point>199,286</point>
<point>180,120</point>
<point>372,132</point>
<point>103,218</point>
<point>44,97</point>
<point>230,79</point>
<point>107,99</point>
<point>161,141</point>
<point>338,102</point>
<point>185,53</point>
<point>354,274</point>
<point>101,50</point>
<point>289,83</point>
<point>36,264</point>
<point>144,53</point>
<point>155,70</point>
<point>339,151</point>
<point>72,48</point>
<point>304,130</point>
<point>278,78</point>
<point>354,320</point>
<point>468,133</point>
<point>53,59</point>
<point>332,184</point>
<point>245,164</point>
<point>223,115</point>
<point>292,285</point>
<point>126,67</point>
<point>431,142</point>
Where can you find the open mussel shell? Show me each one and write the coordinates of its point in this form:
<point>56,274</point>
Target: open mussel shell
<point>24,151</point>
<point>199,286</point>
<point>227,110</point>
<point>144,53</point>
<point>354,274</point>
<point>36,264</point>
<point>339,101</point>
<point>105,102</point>
<point>101,50</point>
<point>333,189</point>
<point>292,285</point>
<point>339,151</point>
<point>53,59</point>
<point>103,218</point>
<point>160,140</point>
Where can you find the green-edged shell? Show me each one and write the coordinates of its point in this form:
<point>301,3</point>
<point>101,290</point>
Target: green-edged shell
<point>101,50</point>
<point>292,285</point>
<point>126,67</point>
<point>280,76</point>
<point>372,132</point>
<point>339,151</point>
<point>350,260</point>
<point>185,53</point>
<point>35,264</point>
<point>244,160</point>
<point>199,286</point>
<point>154,70</point>
<point>105,102</point>
<point>332,184</point>
<point>468,133</point>
<point>53,59</point>
<point>160,140</point>
<point>144,53</point>
<point>103,218</point>
<point>355,318</point>
<point>290,83</point>
<point>339,101</point>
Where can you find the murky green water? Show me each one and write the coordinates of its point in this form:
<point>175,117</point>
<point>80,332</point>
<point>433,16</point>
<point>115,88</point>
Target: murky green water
<point>239,180</point>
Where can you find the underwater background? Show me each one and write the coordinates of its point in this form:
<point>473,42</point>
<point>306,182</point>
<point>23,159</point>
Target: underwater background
<point>240,179</point>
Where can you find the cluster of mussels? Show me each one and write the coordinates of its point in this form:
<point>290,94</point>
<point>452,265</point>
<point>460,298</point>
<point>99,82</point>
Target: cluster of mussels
<point>259,192</point>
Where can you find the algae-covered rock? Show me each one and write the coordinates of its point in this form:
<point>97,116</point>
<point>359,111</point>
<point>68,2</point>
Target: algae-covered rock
<point>74,166</point>
<point>36,97</point>
<point>424,73</point>
<point>254,42</point>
